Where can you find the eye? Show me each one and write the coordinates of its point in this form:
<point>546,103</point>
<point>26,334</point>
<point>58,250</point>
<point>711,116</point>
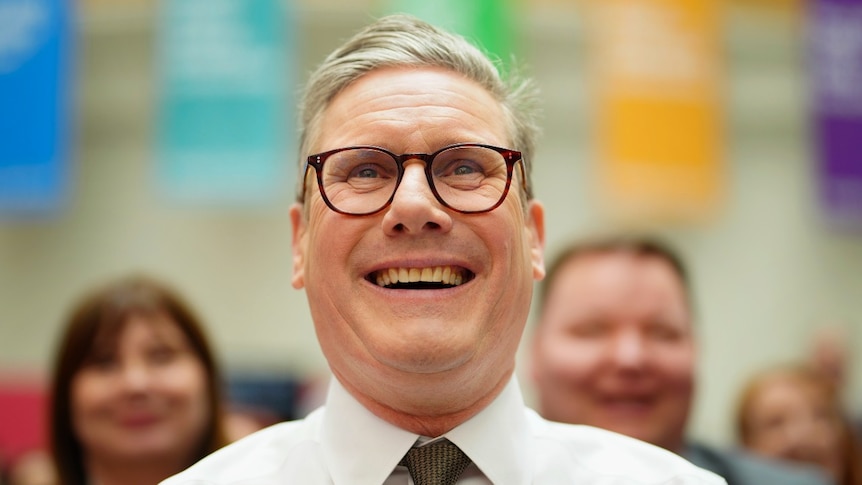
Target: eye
<point>588,329</point>
<point>459,168</point>
<point>161,355</point>
<point>773,422</point>
<point>358,164</point>
<point>103,361</point>
<point>365,172</point>
<point>464,169</point>
<point>663,332</point>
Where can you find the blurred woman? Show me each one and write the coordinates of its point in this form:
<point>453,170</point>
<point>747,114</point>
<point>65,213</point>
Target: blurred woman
<point>794,413</point>
<point>136,392</point>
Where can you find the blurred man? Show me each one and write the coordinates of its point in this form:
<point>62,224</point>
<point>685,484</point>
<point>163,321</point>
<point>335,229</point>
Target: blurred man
<point>615,348</point>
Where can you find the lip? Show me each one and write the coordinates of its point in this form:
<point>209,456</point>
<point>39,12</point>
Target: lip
<point>468,273</point>
<point>629,404</point>
<point>138,420</point>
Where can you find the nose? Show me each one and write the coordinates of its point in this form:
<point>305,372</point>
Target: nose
<point>628,350</point>
<point>796,433</point>
<point>414,208</point>
<point>134,377</point>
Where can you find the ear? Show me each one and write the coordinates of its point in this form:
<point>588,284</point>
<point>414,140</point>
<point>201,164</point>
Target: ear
<point>298,244</point>
<point>536,227</point>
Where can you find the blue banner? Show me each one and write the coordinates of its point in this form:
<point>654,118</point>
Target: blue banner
<point>35,70</point>
<point>224,131</point>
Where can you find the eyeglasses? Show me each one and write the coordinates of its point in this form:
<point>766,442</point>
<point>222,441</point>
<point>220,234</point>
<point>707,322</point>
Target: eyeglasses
<point>467,177</point>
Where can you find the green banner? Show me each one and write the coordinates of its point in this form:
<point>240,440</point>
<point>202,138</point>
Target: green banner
<point>492,25</point>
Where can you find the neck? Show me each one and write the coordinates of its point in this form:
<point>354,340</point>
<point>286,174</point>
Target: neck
<point>430,406</point>
<point>132,472</point>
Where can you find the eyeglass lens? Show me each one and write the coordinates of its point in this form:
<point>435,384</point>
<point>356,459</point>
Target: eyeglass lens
<point>466,178</point>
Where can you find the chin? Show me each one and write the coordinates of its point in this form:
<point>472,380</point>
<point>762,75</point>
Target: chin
<point>151,445</point>
<point>429,362</point>
<point>634,430</point>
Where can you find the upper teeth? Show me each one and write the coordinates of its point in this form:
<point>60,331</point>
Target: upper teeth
<point>438,274</point>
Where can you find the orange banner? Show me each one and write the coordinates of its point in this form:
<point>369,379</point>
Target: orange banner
<point>659,127</point>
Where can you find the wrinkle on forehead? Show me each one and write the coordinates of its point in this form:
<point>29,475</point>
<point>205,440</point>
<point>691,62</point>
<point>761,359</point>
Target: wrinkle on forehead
<point>391,102</point>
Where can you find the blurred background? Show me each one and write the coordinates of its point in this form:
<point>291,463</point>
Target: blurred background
<point>158,137</point>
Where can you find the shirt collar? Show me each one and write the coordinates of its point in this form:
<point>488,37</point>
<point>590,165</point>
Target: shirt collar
<point>496,439</point>
<point>360,448</point>
<point>363,449</point>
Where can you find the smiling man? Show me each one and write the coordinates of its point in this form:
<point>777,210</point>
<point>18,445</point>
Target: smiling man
<point>615,348</point>
<point>417,241</point>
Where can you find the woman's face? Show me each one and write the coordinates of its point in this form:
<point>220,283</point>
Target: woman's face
<point>142,396</point>
<point>794,420</point>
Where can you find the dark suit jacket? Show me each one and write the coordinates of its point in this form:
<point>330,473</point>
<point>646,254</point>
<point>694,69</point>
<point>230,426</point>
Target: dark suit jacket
<point>740,468</point>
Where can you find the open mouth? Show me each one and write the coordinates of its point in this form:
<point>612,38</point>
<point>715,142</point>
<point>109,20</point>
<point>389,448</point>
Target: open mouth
<point>430,278</point>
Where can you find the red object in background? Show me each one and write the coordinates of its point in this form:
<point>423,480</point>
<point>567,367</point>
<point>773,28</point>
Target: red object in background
<point>23,416</point>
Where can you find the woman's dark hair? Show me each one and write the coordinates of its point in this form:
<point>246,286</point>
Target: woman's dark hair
<point>100,315</point>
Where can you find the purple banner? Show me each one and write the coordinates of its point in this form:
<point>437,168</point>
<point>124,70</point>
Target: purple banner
<point>836,74</point>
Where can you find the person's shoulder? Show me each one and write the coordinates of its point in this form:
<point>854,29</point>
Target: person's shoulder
<point>748,469</point>
<point>587,453</point>
<point>252,459</point>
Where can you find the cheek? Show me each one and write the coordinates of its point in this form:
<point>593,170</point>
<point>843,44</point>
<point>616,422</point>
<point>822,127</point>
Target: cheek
<point>87,393</point>
<point>329,242</point>
<point>683,381</point>
<point>766,437</point>
<point>89,404</point>
<point>186,382</point>
<point>835,445</point>
<point>189,399</point>
<point>677,364</point>
<point>770,441</point>
<point>571,360</point>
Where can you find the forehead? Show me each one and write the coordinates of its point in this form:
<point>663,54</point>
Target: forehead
<point>619,281</point>
<point>619,270</point>
<point>147,324</point>
<point>785,389</point>
<point>410,109</point>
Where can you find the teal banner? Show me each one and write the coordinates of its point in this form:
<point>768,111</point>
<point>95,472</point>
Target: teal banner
<point>224,130</point>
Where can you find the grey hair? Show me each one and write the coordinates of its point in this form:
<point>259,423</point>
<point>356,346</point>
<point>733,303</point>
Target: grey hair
<point>403,40</point>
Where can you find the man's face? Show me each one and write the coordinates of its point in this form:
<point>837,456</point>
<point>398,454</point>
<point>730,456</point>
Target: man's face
<point>378,339</point>
<point>614,348</point>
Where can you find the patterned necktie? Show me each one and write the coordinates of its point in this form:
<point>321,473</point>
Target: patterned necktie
<point>439,463</point>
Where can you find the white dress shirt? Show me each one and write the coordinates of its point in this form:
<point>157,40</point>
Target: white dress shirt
<point>342,443</point>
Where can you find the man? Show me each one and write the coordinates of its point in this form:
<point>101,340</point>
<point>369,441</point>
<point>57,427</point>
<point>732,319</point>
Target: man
<point>615,348</point>
<point>417,242</point>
